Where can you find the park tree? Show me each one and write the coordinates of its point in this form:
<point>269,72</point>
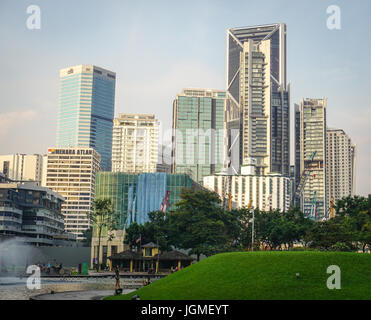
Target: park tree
<point>133,233</point>
<point>198,223</point>
<point>355,213</point>
<point>331,235</point>
<point>276,229</point>
<point>155,230</point>
<point>105,220</point>
<point>237,224</point>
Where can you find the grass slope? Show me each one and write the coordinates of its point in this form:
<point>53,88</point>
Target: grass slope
<point>264,275</point>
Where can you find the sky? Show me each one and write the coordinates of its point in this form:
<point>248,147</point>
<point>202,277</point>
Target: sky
<point>157,48</point>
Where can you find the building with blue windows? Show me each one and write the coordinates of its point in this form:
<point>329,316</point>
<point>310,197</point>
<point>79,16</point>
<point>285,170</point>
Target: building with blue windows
<point>135,195</point>
<point>198,138</point>
<point>86,110</point>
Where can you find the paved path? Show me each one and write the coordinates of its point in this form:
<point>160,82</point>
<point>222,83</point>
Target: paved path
<point>79,295</point>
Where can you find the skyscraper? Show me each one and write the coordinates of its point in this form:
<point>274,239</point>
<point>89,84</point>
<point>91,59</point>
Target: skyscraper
<point>135,143</point>
<point>258,99</point>
<point>71,173</point>
<point>86,110</point>
<point>312,153</point>
<point>341,158</point>
<point>198,121</point>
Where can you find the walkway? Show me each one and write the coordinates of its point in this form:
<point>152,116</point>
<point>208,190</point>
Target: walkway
<point>78,295</point>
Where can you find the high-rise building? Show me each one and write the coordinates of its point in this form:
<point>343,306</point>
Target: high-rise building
<point>341,158</point>
<point>86,110</point>
<point>198,138</point>
<point>22,167</point>
<point>135,143</point>
<point>164,159</point>
<point>297,148</point>
<point>31,213</point>
<point>258,98</point>
<point>266,192</point>
<point>71,173</point>
<point>312,150</point>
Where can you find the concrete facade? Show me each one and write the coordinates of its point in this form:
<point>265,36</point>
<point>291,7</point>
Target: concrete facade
<point>71,172</point>
<point>267,192</point>
<point>135,143</point>
<point>22,167</point>
<point>341,165</point>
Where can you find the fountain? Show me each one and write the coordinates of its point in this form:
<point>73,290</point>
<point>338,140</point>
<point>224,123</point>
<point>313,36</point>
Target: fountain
<point>15,257</point>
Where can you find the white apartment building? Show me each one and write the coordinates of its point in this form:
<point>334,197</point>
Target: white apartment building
<point>267,192</point>
<point>135,143</point>
<point>71,173</point>
<point>22,167</point>
<point>341,158</point>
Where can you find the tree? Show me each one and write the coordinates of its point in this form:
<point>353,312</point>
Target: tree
<point>237,224</point>
<point>104,219</point>
<point>276,229</point>
<point>155,230</point>
<point>87,234</point>
<point>356,213</point>
<point>330,234</point>
<point>198,223</point>
<point>133,233</point>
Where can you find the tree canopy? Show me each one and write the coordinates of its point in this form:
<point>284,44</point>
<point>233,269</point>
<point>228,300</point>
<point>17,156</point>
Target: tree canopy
<point>199,224</point>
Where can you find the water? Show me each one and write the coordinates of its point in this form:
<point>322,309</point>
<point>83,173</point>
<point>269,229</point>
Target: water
<point>15,256</point>
<point>14,259</point>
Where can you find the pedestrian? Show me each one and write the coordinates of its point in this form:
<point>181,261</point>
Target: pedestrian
<point>117,277</point>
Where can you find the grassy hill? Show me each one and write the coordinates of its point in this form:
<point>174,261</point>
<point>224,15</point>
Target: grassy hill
<point>264,275</point>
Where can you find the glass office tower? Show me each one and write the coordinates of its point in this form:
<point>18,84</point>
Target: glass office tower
<point>258,99</point>
<point>86,110</point>
<point>198,122</point>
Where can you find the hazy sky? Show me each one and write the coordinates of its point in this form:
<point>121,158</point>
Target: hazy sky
<point>159,47</point>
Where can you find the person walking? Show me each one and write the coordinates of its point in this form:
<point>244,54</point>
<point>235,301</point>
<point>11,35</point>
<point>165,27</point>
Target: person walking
<point>117,277</point>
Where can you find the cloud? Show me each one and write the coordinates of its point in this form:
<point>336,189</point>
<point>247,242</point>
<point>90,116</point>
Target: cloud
<point>14,120</point>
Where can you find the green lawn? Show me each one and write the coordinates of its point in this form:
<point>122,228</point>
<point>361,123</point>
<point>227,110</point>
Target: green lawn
<point>264,275</point>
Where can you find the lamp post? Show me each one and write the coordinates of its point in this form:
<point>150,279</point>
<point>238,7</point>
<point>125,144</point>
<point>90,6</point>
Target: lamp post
<point>252,230</point>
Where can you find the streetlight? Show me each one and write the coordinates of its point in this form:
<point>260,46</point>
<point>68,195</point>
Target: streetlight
<point>252,230</point>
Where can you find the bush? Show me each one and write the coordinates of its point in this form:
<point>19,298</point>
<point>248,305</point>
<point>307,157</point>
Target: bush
<point>342,246</point>
<point>303,249</point>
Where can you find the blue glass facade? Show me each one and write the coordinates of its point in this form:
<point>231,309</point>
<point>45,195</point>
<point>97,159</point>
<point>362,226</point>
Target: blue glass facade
<point>86,110</point>
<point>198,120</point>
<point>135,195</point>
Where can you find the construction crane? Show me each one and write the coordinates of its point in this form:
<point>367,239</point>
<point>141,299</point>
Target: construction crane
<point>229,202</point>
<point>303,180</point>
<point>304,177</point>
<point>332,208</point>
<point>227,186</point>
<point>249,205</point>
